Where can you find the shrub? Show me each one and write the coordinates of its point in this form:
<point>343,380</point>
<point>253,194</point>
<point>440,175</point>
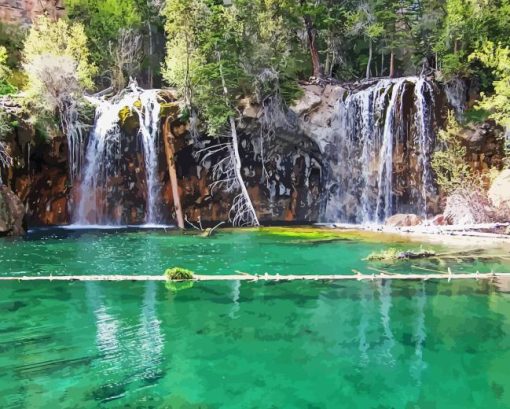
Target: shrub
<point>449,164</point>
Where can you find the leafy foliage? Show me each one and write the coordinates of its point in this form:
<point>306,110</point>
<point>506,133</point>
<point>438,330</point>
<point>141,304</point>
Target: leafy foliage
<point>57,62</point>
<point>5,86</point>
<point>497,58</point>
<point>106,23</point>
<point>449,164</point>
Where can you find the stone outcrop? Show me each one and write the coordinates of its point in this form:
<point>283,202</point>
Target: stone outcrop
<point>404,220</point>
<point>484,146</point>
<point>25,11</point>
<point>499,192</point>
<point>316,111</point>
<point>290,176</point>
<point>469,206</point>
<point>12,213</point>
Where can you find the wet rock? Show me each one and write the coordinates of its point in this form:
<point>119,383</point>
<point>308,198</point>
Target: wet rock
<point>404,220</point>
<point>310,100</point>
<point>12,213</point>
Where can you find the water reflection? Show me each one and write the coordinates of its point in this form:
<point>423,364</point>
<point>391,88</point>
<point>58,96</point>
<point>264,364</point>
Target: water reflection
<point>366,297</point>
<point>236,306</point>
<point>150,335</point>
<point>418,366</point>
<point>131,350</point>
<point>384,288</point>
<point>107,328</point>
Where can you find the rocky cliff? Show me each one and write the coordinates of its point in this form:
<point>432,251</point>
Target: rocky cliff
<point>341,153</point>
<point>25,11</point>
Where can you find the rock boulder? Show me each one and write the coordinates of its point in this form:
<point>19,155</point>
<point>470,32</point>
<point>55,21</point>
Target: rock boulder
<point>404,220</point>
<point>499,192</point>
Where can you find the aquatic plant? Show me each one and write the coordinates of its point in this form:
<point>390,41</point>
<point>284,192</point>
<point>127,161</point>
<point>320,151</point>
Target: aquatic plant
<point>179,273</point>
<point>395,254</point>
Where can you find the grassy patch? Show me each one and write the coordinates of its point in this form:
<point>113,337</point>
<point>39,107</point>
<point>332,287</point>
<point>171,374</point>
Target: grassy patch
<point>317,234</point>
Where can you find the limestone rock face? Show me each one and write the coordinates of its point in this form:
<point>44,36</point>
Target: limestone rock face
<point>12,213</point>
<point>465,207</point>
<point>315,112</point>
<point>404,220</point>
<point>499,193</point>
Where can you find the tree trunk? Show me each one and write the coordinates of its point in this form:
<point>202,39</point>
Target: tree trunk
<point>244,191</point>
<point>392,64</point>
<point>369,58</point>
<point>151,52</point>
<point>312,36</point>
<point>382,64</point>
<point>235,148</point>
<point>168,138</point>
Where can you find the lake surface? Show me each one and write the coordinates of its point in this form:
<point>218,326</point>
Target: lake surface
<point>381,344</point>
<point>272,251</point>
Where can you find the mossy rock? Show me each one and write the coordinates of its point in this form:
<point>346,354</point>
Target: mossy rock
<point>128,119</point>
<point>178,273</point>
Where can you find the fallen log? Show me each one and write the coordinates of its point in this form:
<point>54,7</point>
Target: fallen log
<point>267,277</point>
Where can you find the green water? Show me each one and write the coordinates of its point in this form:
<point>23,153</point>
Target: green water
<point>150,253</point>
<point>313,344</point>
<point>254,345</point>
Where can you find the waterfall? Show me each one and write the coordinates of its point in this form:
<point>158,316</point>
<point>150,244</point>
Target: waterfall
<point>98,201</point>
<point>381,150</point>
<point>149,129</point>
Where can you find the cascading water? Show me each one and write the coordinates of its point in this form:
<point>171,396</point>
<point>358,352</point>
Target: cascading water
<point>97,190</point>
<point>149,130</point>
<point>384,139</point>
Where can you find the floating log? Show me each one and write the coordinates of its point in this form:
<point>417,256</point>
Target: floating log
<point>267,277</point>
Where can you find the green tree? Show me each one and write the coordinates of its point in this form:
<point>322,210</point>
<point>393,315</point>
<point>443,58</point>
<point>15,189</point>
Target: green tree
<point>57,63</point>
<point>496,58</point>
<point>449,164</point>
<point>121,36</point>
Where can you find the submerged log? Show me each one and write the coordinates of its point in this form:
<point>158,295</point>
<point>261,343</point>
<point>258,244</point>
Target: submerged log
<point>267,277</point>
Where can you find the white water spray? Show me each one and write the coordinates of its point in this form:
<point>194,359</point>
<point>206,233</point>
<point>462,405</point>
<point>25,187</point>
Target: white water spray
<point>103,155</point>
<point>380,130</point>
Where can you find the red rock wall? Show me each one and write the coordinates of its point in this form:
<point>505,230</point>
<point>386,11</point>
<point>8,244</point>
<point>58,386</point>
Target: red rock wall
<point>25,11</point>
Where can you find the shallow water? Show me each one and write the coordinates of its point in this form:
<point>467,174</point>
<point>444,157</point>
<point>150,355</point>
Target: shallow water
<point>255,345</point>
<point>388,344</point>
<point>257,252</point>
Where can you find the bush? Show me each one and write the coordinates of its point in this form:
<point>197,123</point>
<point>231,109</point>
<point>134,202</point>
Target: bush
<point>449,164</point>
<point>178,273</point>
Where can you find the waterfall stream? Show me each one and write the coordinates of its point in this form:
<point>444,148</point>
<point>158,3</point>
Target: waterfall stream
<point>98,201</point>
<point>382,147</point>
